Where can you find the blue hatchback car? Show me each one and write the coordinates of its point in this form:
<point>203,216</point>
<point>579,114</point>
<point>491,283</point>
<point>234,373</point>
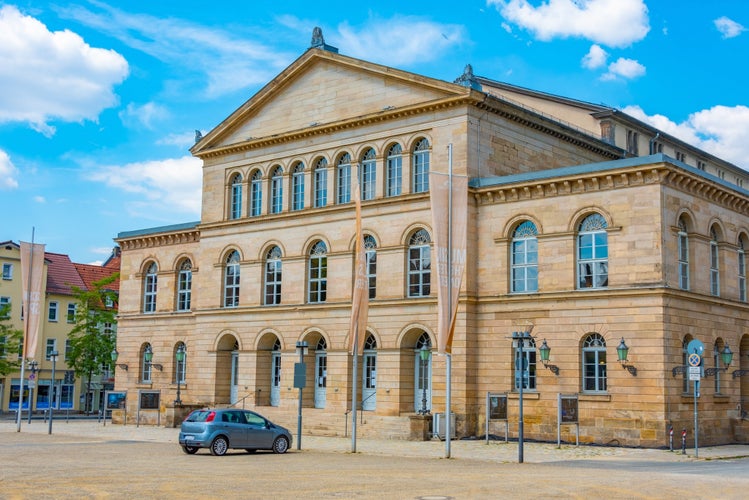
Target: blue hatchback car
<point>222,429</point>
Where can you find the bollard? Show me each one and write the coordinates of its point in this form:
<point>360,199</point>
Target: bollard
<point>671,438</point>
<point>684,442</point>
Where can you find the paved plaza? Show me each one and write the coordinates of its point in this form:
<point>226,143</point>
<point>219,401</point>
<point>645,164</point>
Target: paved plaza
<point>86,459</point>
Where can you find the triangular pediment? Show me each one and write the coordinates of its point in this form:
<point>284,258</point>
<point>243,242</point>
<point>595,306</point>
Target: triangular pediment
<point>322,88</point>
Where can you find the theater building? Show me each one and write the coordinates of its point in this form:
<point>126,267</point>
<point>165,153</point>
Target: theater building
<point>591,226</point>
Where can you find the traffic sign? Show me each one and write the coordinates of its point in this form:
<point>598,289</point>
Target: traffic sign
<point>695,346</point>
<point>695,373</point>
<point>694,360</point>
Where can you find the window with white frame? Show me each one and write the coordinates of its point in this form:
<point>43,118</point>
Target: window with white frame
<point>4,307</point>
<point>420,167</point>
<point>368,175</point>
<point>741,267</point>
<point>235,209</point>
<point>145,371</point>
<point>50,348</point>
<point>592,253</point>
<point>370,249</point>
<point>683,249</point>
<point>72,308</point>
<point>321,183</point>
<point>231,280</point>
<point>394,171</point>
<point>7,271</point>
<point>594,363</point>
<point>184,286</point>
<point>273,275</point>
<point>525,364</point>
<point>318,273</point>
<point>525,258</point>
<point>68,349</point>
<point>714,263</point>
<point>276,191</point>
<point>149,288</point>
<point>297,187</point>
<point>180,367</point>
<point>419,264</point>
<point>343,179</point>
<point>256,193</point>
<point>52,311</point>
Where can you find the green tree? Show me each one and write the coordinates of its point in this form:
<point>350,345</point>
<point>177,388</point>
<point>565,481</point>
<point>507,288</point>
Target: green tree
<point>93,337</point>
<point>10,342</point>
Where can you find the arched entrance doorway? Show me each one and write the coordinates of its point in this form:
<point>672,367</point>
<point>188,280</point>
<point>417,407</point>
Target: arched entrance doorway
<point>227,369</point>
<point>423,375</point>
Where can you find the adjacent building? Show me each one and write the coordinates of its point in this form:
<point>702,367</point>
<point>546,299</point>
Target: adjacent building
<point>592,227</point>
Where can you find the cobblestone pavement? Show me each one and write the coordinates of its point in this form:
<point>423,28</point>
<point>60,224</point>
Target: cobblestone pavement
<point>85,459</point>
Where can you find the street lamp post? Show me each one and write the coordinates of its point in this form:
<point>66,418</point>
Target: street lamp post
<point>53,357</point>
<point>520,338</point>
<point>424,356</point>
<point>32,378</point>
<point>300,380</point>
<point>180,357</point>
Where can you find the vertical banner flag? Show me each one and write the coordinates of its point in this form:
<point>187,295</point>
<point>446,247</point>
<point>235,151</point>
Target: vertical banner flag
<point>32,273</point>
<point>450,243</point>
<point>360,293</point>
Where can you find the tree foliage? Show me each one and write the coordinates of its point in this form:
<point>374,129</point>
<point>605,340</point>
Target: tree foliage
<point>10,342</point>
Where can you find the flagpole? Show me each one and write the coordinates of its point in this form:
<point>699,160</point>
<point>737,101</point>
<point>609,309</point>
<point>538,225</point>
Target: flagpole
<point>448,359</point>
<point>354,393</point>
<point>25,337</point>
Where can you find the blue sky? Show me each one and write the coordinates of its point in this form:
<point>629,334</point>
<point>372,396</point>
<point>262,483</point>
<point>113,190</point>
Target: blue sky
<point>99,100</point>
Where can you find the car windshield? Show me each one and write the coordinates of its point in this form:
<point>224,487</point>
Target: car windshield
<point>198,416</point>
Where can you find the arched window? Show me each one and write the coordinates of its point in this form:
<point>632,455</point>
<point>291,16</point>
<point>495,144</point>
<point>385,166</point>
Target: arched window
<point>741,267</point>
<point>256,193</point>
<point>343,179</point>
<point>180,367</point>
<point>321,183</point>
<point>184,285</point>
<point>423,372</point>
<point>297,187</point>
<point>419,264</point>
<point>683,244</point>
<point>394,170</point>
<point>149,288</point>
<point>594,363</point>
<point>420,167</point>
<point>318,273</point>
<point>592,253</point>
<point>231,280</point>
<point>368,175</point>
<point>145,363</point>
<point>235,210</point>
<point>273,276</point>
<point>370,249</point>
<point>371,343</point>
<point>714,263</point>
<point>525,258</point>
<point>276,191</point>
<point>525,364</point>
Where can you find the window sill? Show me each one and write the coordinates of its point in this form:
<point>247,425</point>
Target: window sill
<point>721,398</point>
<point>594,397</point>
<point>527,394</point>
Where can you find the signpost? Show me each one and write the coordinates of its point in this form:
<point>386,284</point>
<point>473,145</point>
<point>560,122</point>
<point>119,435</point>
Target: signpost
<point>695,348</point>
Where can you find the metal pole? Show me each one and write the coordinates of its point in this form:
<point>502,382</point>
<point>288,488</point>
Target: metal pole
<point>520,398</point>
<point>448,374</point>
<point>696,428</point>
<point>354,393</point>
<point>25,337</point>
<point>52,355</point>
<point>299,416</point>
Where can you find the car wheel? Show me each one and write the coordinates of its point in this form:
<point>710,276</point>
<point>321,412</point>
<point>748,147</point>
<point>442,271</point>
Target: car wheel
<point>190,450</point>
<point>280,445</point>
<point>250,450</point>
<point>219,446</point>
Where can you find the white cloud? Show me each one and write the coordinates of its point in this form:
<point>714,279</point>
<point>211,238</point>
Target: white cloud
<point>614,23</point>
<point>400,40</point>
<point>8,172</point>
<point>145,115</point>
<point>171,186</point>
<point>184,140</point>
<point>52,75</point>
<point>595,58</point>
<point>728,27</point>
<point>721,130</point>
<point>624,68</point>
<point>40,199</point>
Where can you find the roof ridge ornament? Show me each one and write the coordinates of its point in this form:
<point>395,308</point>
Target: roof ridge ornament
<point>467,79</point>
<point>318,42</point>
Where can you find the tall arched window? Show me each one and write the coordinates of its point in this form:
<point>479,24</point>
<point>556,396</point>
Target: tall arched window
<point>318,273</point>
<point>273,276</point>
<point>297,187</point>
<point>594,363</point>
<point>369,378</point>
<point>276,191</point>
<point>419,264</point>
<point>714,263</point>
<point>368,175</point>
<point>370,249</point>
<point>321,183</point>
<point>394,171</point>
<point>592,253</point>
<point>235,209</point>
<point>423,372</point>
<point>231,280</point>
<point>683,244</point>
<point>741,268</point>
<point>180,367</point>
<point>256,193</point>
<point>420,167</point>
<point>184,286</point>
<point>343,179</point>
<point>525,258</point>
<point>149,288</point>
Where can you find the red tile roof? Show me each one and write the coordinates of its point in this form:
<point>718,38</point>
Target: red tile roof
<point>61,274</point>
<point>90,273</point>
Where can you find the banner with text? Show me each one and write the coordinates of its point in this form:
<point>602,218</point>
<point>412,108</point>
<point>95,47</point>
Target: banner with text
<point>32,274</point>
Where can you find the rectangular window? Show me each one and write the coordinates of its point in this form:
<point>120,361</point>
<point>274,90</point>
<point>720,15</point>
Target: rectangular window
<point>525,367</point>
<point>68,348</point>
<point>321,187</point>
<point>4,307</point>
<point>714,271</point>
<point>701,165</point>
<point>344,183</point>
<point>72,307</point>
<point>742,276</point>
<point>52,314</point>
<point>632,138</point>
<point>368,180</point>
<point>682,157</point>
<point>51,347</point>
<point>7,271</point>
